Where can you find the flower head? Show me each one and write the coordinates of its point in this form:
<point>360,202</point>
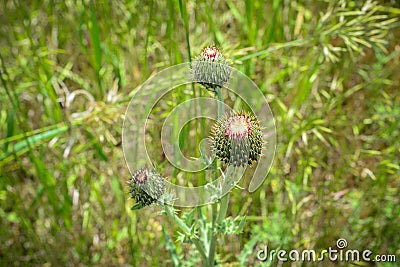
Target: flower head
<point>237,139</point>
<point>211,68</point>
<point>210,53</point>
<point>146,187</point>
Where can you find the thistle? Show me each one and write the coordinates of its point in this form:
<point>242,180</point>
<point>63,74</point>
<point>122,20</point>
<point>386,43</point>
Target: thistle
<point>237,139</point>
<point>146,187</point>
<point>211,69</point>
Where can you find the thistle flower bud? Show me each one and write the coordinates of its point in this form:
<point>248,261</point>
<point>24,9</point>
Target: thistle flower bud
<point>237,139</point>
<point>211,69</point>
<point>146,187</point>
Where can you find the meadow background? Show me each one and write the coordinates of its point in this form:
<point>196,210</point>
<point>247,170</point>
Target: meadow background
<point>329,69</point>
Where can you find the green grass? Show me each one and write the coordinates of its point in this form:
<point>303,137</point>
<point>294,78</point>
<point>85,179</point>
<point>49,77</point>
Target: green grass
<point>329,71</point>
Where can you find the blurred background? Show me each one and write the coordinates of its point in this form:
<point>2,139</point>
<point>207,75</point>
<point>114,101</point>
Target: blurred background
<point>329,69</point>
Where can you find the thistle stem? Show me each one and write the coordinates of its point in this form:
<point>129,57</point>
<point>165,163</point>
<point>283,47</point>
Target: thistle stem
<point>170,211</point>
<point>218,218</point>
<point>221,105</point>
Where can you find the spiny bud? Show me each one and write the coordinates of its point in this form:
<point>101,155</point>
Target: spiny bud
<point>146,187</point>
<point>237,139</point>
<point>211,69</point>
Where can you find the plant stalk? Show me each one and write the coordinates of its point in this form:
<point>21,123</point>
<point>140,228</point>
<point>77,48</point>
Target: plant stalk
<point>217,218</point>
<point>182,225</point>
